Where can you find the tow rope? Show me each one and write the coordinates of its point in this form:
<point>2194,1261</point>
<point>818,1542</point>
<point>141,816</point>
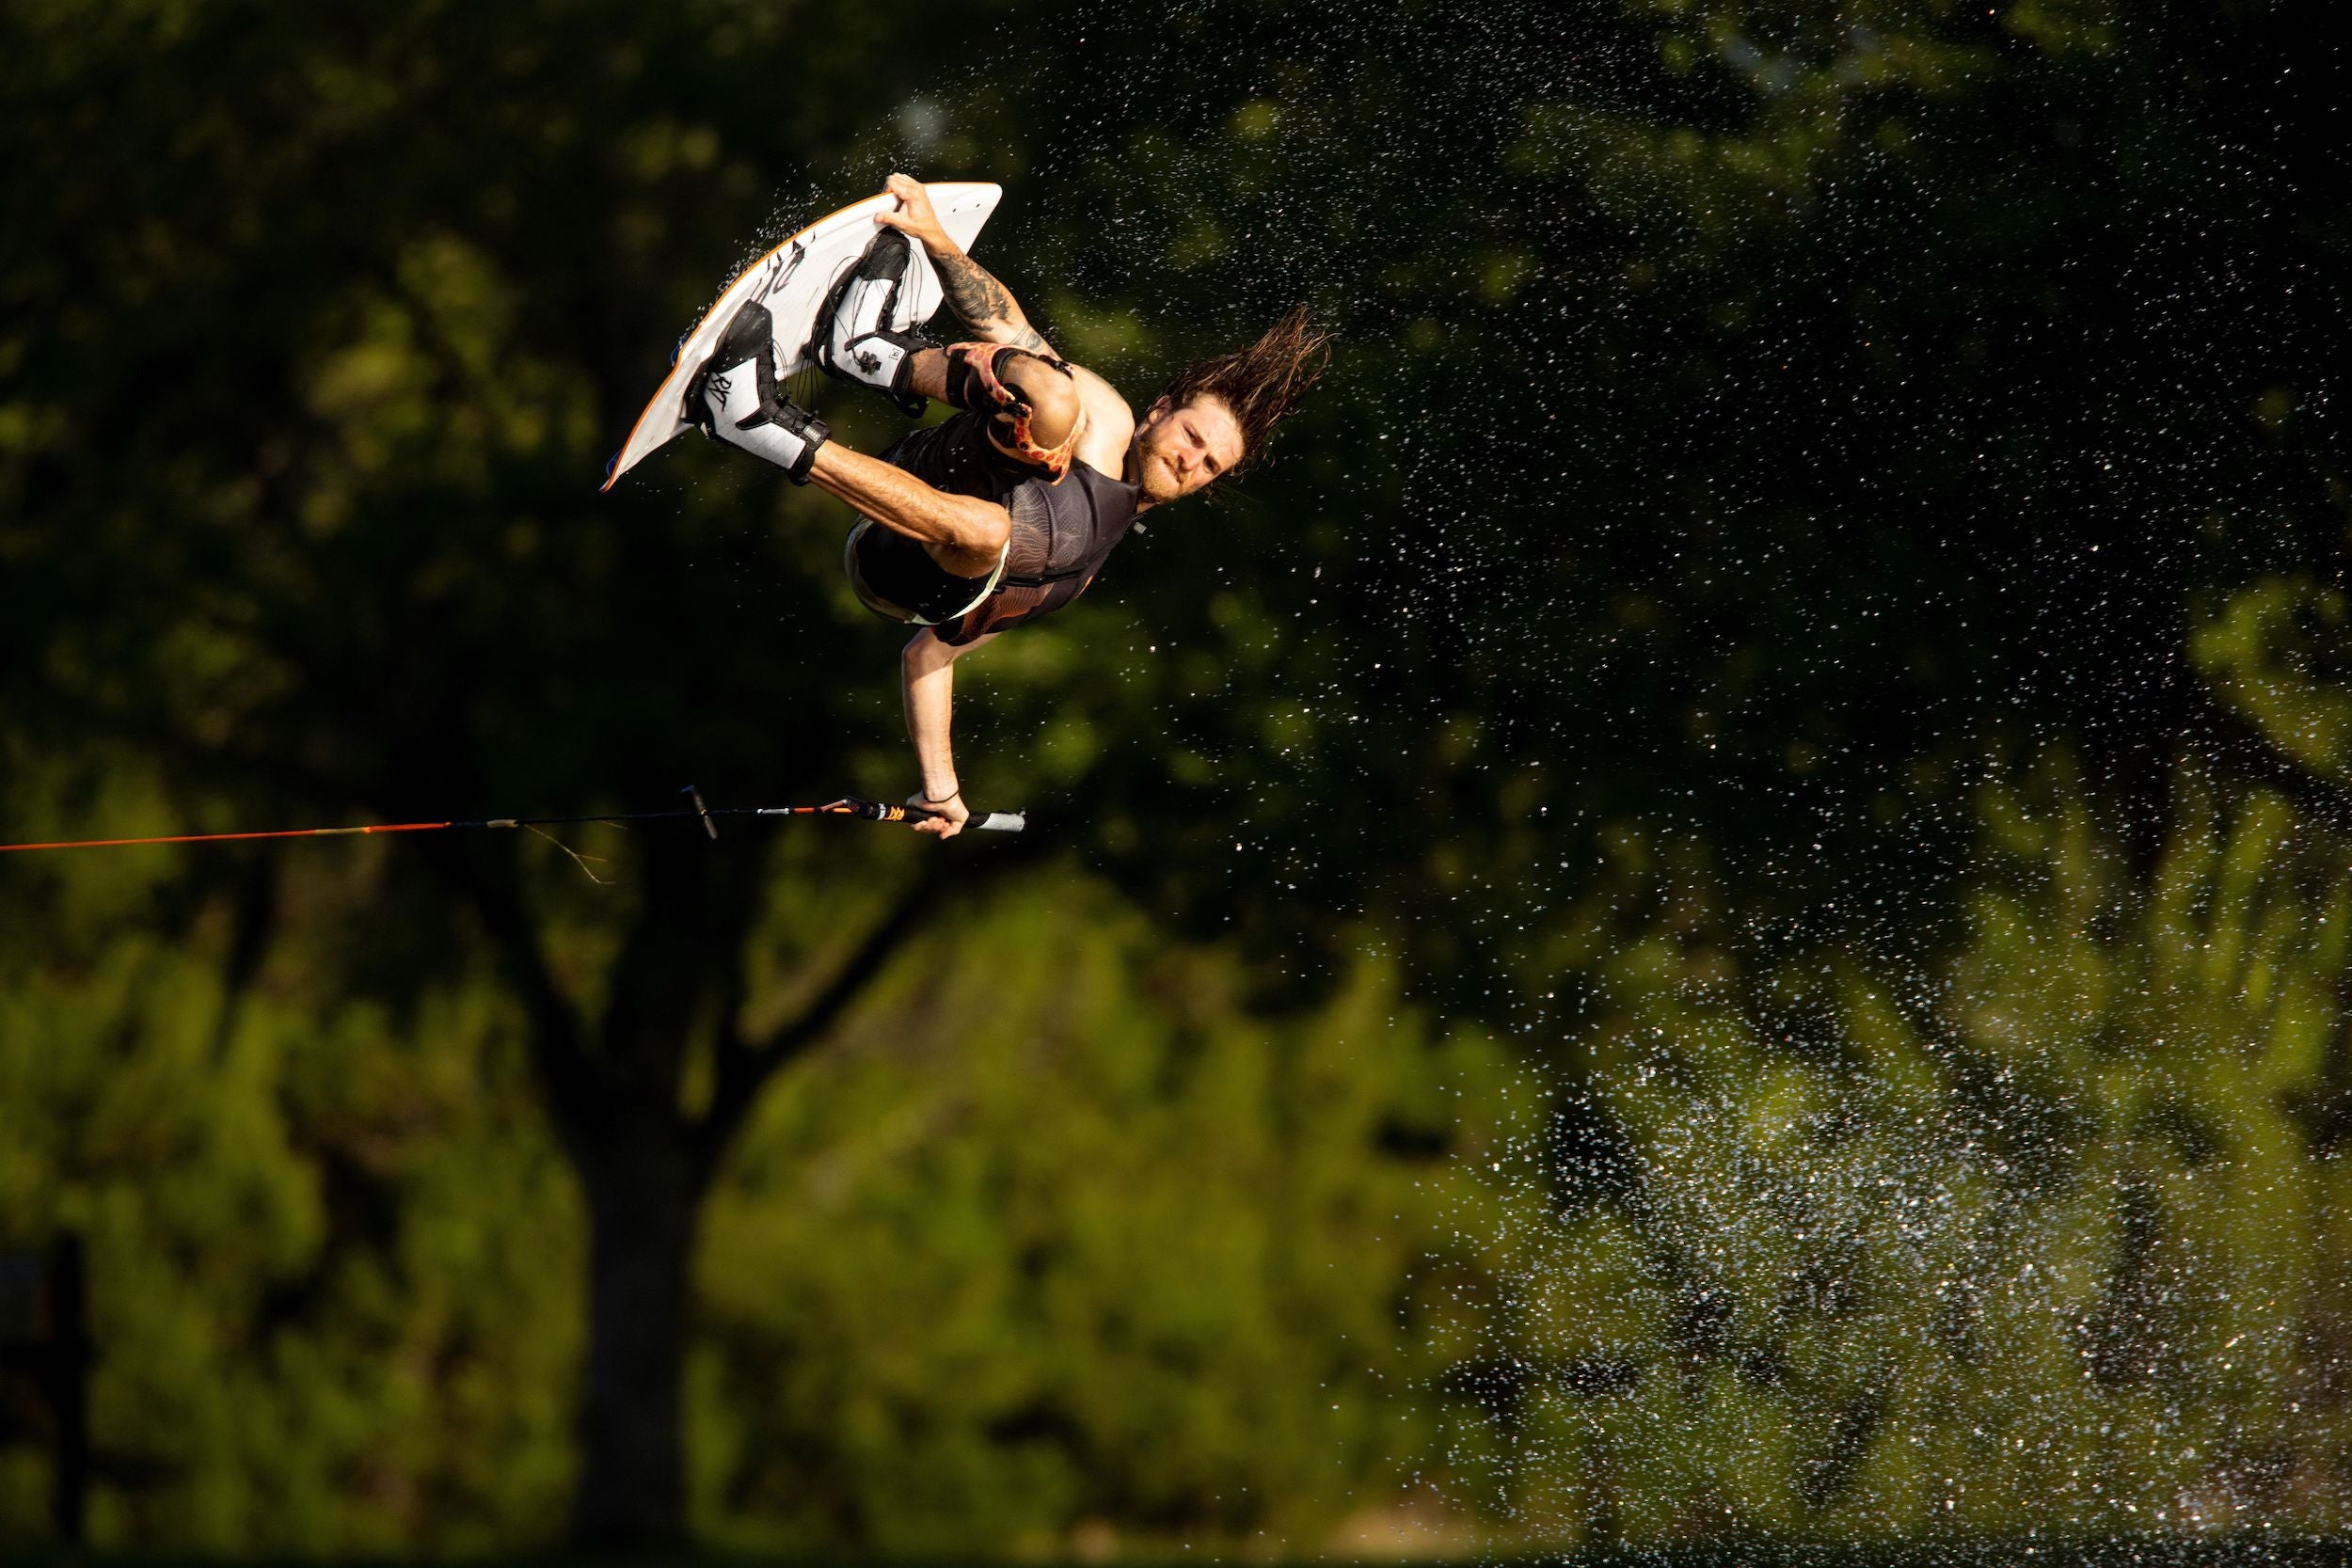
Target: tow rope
<point>849,805</point>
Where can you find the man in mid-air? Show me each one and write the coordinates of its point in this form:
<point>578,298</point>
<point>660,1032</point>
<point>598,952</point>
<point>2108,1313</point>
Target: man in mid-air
<point>1006,512</point>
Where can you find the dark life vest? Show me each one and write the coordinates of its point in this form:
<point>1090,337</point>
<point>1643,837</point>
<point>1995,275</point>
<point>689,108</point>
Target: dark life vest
<point>1063,531</point>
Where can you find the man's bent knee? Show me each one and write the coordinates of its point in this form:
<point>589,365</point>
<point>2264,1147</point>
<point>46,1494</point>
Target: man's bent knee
<point>1052,397</point>
<point>1021,393</point>
<point>984,530</point>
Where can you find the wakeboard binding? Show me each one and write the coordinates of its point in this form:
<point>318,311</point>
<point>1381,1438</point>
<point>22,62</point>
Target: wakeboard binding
<point>738,399</point>
<point>856,342</point>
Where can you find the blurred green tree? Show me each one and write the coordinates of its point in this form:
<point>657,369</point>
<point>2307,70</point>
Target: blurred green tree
<point>318,330</point>
<point>1051,1231</point>
<point>1750,419</point>
<point>2045,1242</point>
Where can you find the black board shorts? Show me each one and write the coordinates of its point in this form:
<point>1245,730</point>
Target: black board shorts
<point>896,577</point>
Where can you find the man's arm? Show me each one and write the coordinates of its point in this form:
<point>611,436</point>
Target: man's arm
<point>927,674</point>
<point>973,294</point>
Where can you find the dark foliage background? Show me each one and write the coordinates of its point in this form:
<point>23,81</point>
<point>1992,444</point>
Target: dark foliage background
<point>1716,909</point>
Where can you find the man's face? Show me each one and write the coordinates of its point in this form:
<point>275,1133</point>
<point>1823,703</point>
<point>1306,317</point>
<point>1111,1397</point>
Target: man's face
<point>1179,450</point>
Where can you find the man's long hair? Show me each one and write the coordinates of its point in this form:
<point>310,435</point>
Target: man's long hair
<point>1261,383</point>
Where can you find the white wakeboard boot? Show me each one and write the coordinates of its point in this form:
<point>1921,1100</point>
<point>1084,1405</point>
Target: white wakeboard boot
<point>856,342</point>
<point>737,400</point>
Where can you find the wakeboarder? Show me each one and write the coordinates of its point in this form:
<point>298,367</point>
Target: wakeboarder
<point>1006,510</point>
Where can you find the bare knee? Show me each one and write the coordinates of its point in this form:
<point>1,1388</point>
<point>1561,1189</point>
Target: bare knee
<point>978,534</point>
<point>1052,397</point>
<point>988,529</point>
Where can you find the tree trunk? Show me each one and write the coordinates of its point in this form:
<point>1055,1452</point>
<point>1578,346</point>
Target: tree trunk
<point>643,1166</point>
<point>641,1197</point>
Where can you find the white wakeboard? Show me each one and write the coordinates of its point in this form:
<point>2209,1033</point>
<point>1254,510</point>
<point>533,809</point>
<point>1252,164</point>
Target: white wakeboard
<point>794,280</point>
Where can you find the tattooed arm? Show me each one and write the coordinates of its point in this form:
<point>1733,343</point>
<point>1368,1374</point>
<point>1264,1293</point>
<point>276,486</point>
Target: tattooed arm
<point>973,294</point>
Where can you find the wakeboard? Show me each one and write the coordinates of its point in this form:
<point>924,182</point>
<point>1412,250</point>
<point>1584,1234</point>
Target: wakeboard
<point>794,280</point>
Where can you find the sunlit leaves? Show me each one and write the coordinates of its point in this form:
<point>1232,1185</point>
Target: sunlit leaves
<point>2276,651</point>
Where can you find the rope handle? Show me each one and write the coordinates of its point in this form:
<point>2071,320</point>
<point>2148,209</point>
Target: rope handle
<point>876,811</point>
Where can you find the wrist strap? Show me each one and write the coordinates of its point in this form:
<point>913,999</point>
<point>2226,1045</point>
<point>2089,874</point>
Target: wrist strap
<point>930,799</point>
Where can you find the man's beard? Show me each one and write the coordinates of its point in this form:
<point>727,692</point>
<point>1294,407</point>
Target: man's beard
<point>1156,477</point>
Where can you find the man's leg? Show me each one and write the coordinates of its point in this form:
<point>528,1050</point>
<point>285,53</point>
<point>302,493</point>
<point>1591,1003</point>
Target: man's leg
<point>927,373</point>
<point>1051,399</point>
<point>1034,410</point>
<point>965,534</point>
<point>742,404</point>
